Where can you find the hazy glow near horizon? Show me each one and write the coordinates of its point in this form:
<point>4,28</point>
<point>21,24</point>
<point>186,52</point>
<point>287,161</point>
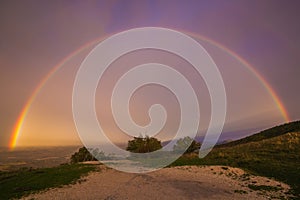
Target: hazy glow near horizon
<point>21,134</point>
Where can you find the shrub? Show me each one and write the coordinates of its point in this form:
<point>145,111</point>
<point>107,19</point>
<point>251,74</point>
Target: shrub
<point>82,155</point>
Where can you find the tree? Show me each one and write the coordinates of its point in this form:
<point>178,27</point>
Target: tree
<point>186,143</point>
<point>82,155</point>
<point>143,144</point>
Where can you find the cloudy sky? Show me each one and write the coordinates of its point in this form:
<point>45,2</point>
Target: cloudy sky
<point>255,44</point>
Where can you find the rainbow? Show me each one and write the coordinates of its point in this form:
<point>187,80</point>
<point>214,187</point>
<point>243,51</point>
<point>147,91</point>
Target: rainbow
<point>264,82</point>
<point>20,121</point>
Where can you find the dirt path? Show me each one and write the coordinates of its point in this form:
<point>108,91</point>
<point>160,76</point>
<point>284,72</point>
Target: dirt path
<point>188,182</point>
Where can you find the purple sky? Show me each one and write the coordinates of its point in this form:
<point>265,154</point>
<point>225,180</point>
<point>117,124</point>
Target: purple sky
<point>36,35</point>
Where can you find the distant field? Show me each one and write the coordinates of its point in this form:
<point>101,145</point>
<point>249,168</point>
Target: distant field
<point>35,157</point>
<point>27,170</point>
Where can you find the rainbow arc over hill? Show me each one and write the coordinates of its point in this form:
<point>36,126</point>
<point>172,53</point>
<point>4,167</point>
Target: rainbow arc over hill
<point>21,119</point>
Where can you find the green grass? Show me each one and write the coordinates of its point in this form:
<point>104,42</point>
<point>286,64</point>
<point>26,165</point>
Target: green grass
<point>16,184</point>
<point>267,134</point>
<point>277,157</point>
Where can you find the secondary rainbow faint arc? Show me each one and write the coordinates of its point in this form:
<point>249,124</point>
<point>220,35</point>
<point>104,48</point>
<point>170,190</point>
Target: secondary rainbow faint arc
<point>19,123</point>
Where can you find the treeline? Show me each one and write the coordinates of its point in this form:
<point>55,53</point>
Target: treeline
<point>137,145</point>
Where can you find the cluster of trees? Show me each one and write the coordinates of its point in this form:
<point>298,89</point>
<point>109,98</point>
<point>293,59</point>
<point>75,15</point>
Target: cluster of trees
<point>143,144</point>
<point>149,144</point>
<point>137,145</point>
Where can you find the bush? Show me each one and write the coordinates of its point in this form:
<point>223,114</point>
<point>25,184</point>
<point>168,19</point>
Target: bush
<point>82,155</point>
<point>186,143</point>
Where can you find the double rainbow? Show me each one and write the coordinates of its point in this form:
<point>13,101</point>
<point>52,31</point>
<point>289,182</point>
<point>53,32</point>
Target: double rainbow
<point>19,123</point>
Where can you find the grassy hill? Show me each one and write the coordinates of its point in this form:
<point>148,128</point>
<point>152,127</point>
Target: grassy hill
<point>267,134</point>
<point>273,153</point>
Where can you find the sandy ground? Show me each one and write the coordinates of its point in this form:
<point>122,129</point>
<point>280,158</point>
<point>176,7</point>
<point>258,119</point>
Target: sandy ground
<point>187,182</point>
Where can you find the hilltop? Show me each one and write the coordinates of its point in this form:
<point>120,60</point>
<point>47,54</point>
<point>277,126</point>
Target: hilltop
<point>274,152</point>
